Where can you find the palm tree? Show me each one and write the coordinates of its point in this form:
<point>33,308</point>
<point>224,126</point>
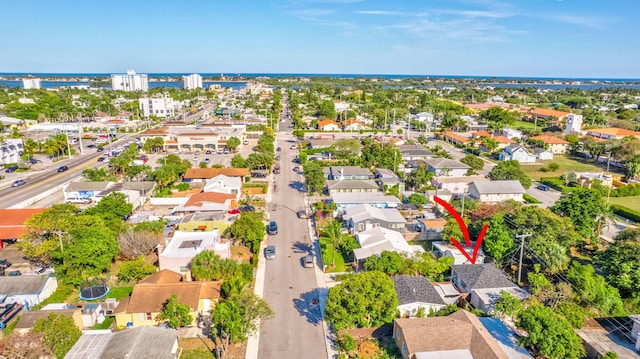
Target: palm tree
<point>30,146</point>
<point>332,232</point>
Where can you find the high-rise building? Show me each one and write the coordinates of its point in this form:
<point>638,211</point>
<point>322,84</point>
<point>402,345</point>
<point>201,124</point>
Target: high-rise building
<point>573,124</point>
<point>193,81</point>
<point>31,83</point>
<point>160,106</point>
<point>130,81</point>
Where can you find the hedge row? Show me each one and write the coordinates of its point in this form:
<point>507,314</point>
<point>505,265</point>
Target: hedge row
<point>625,212</point>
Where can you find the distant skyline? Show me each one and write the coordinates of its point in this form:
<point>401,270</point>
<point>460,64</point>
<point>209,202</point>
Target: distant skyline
<point>532,38</point>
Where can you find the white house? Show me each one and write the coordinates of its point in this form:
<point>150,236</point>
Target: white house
<point>422,117</point>
<point>340,106</point>
<point>180,249</point>
<point>447,249</point>
<point>497,191</point>
<point>224,184</point>
<point>517,153</point>
<point>444,167</point>
<point>130,81</point>
<point>31,83</point>
<point>455,185</point>
<point>28,290</point>
<point>542,154</point>
<point>377,240</point>
<point>510,133</point>
<point>573,124</point>
<point>328,125</point>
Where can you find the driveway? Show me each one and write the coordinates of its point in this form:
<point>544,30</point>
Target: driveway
<point>548,198</point>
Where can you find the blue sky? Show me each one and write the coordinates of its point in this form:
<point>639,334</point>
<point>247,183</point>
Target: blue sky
<point>537,38</point>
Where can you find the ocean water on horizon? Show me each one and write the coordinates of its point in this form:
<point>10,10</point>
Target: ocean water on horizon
<point>155,84</point>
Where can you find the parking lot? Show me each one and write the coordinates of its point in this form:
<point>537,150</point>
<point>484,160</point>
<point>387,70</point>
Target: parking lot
<point>17,260</point>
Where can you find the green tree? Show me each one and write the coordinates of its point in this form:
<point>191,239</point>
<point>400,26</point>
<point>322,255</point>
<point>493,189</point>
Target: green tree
<point>207,266</point>
<point>420,179</point>
<point>620,262</point>
<point>95,174</point>
<point>388,262</point>
<point>476,163</point>
<point>249,229</point>
<point>549,334</point>
<point>238,162</point>
<point>314,177</point>
<point>362,300</point>
<point>60,333</point>
<point>510,170</point>
<point>90,254</point>
<point>508,305</point>
<point>586,208</point>
<point>497,118</point>
<point>134,270</point>
<point>47,231</point>
<point>417,199</point>
<point>497,241</point>
<point>327,109</point>
<point>233,143</point>
<point>575,314</point>
<point>593,289</point>
<point>112,209</point>
<point>236,318</point>
<point>154,144</point>
<point>346,148</point>
<point>176,314</point>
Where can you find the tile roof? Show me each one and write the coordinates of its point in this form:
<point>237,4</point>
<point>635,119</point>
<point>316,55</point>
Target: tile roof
<point>548,112</point>
<point>161,131</point>
<point>148,297</point>
<point>12,221</point>
<point>415,289</point>
<point>614,131</point>
<point>199,199</point>
<point>460,330</point>
<point>481,134</point>
<point>482,275</point>
<point>164,276</point>
<point>327,122</point>
<point>212,172</point>
<point>456,137</point>
<point>501,187</point>
<point>503,139</point>
<point>552,140</point>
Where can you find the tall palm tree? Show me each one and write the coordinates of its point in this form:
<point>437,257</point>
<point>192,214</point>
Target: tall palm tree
<point>332,232</point>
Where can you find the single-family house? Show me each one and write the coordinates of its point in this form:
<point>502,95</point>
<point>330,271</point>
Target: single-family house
<point>507,337</point>
<point>612,133</point>
<point>455,138</point>
<point>518,153</point>
<point>12,223</point>
<point>149,296</point>
<point>542,154</point>
<point>207,202</point>
<point>351,124</point>
<point>422,117</point>
<point>455,185</point>
<point>458,335</point>
<point>484,282</point>
<point>588,179</point>
<point>28,319</point>
<point>203,174</point>
<point>497,191</point>
<point>510,133</point>
<point>139,342</point>
<point>28,290</point>
<point>443,194</point>
<point>376,240</point>
<point>340,106</point>
<point>179,249</point>
<point>415,292</point>
<point>556,145</point>
<point>444,167</point>
<point>315,143</point>
<point>344,201</point>
<point>554,116</point>
<point>351,186</point>
<point>447,249</point>
<point>415,152</point>
<point>347,173</point>
<point>224,184</point>
<point>363,217</point>
<point>328,125</point>
<point>386,177</point>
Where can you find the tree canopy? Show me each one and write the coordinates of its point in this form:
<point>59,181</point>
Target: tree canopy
<point>549,333</point>
<point>620,262</point>
<point>510,170</point>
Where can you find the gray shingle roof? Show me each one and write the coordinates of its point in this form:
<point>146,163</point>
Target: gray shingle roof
<point>440,163</point>
<point>490,187</point>
<point>412,289</point>
<point>24,284</point>
<point>141,342</point>
<point>88,186</point>
<point>352,184</point>
<point>482,276</point>
<point>363,212</point>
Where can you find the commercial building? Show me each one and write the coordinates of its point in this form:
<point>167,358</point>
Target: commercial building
<point>130,81</point>
<point>159,106</point>
<point>193,81</point>
<point>31,83</point>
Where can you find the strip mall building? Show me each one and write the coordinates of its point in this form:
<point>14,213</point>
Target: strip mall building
<point>190,139</point>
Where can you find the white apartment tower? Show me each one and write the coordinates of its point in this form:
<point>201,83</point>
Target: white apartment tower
<point>573,124</point>
<point>160,106</point>
<point>193,81</point>
<point>31,83</point>
<point>130,81</point>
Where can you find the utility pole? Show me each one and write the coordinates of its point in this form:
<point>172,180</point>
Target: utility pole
<point>522,237</point>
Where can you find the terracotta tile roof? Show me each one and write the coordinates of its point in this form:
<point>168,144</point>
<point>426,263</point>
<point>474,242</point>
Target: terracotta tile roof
<point>12,221</point>
<point>326,122</point>
<point>552,140</point>
<point>202,134</point>
<point>198,199</point>
<point>614,131</point>
<point>148,297</point>
<point>455,136</point>
<point>502,139</point>
<point>480,134</point>
<point>212,172</point>
<point>161,131</point>
<point>434,334</point>
<point>164,276</point>
<point>545,112</point>
<point>170,142</point>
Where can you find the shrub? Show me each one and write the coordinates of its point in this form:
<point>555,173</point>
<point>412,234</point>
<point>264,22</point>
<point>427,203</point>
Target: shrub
<point>625,212</point>
<point>530,199</point>
<point>627,191</point>
<point>347,343</point>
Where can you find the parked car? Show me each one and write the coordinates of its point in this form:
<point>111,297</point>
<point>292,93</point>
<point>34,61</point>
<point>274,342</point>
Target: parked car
<point>308,261</point>
<point>279,149</point>
<point>272,228</point>
<point>258,175</point>
<point>100,149</point>
<point>303,214</point>
<point>18,183</point>
<point>208,152</point>
<point>296,169</point>
<point>245,142</point>
<point>247,208</point>
<point>33,161</point>
<point>62,168</point>
<point>5,263</point>
<point>81,200</point>
<point>543,188</point>
<point>14,273</point>
<point>11,169</point>
<point>278,158</point>
<point>234,211</point>
<point>270,252</point>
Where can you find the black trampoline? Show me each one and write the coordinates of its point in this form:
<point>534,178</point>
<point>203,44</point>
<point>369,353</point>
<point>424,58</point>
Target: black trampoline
<point>93,289</point>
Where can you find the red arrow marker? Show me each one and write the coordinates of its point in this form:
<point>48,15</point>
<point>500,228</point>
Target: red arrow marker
<point>465,232</point>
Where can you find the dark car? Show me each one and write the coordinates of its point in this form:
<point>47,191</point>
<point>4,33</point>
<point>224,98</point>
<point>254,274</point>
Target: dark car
<point>33,161</point>
<point>11,169</point>
<point>14,273</point>
<point>101,159</point>
<point>62,168</point>
<point>279,149</point>
<point>303,214</point>
<point>100,149</point>
<point>272,228</point>
<point>247,208</point>
<point>18,183</point>
<point>258,175</point>
<point>543,187</point>
<point>5,263</point>
<point>91,145</point>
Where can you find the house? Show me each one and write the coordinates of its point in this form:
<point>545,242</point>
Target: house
<point>203,174</point>
<point>447,249</point>
<point>347,173</point>
<point>612,133</point>
<point>598,340</point>
<point>12,223</point>
<point>352,124</point>
<point>85,189</point>
<point>415,292</point>
<point>510,133</point>
<point>507,337</point>
<point>497,191</point>
<point>207,202</point>
<point>573,124</point>
<point>179,250</point>
<point>344,201</point>
<point>542,154</point>
<point>458,335</point>
<point>455,139</point>
<point>422,117</point>
<point>28,290</point>
<point>588,179</point>
<point>444,167</point>
<point>340,106</point>
<point>484,282</point>
<point>149,296</point>
<point>518,153</point>
<point>140,342</point>
<point>545,113</point>
<point>376,240</point>
<point>556,145</point>
<point>415,152</point>
<point>315,143</point>
<point>28,320</point>
<point>455,185</point>
<point>351,186</point>
<point>363,217</point>
<point>11,150</point>
<point>224,184</point>
<point>386,177</point>
<point>328,125</point>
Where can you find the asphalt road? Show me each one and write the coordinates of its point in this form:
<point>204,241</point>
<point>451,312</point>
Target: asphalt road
<point>296,330</point>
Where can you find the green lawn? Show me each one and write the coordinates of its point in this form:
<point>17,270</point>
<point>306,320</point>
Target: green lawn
<point>524,124</point>
<point>629,202</point>
<point>566,165</point>
<point>327,258</point>
<point>119,292</point>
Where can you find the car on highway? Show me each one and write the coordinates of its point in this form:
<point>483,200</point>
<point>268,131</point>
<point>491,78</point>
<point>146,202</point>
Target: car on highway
<point>247,208</point>
<point>62,168</point>
<point>11,169</point>
<point>100,149</point>
<point>101,159</point>
<point>270,252</point>
<point>272,228</point>
<point>18,183</point>
<point>308,261</point>
<point>543,188</point>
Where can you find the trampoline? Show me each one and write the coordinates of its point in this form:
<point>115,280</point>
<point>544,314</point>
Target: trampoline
<point>93,289</point>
